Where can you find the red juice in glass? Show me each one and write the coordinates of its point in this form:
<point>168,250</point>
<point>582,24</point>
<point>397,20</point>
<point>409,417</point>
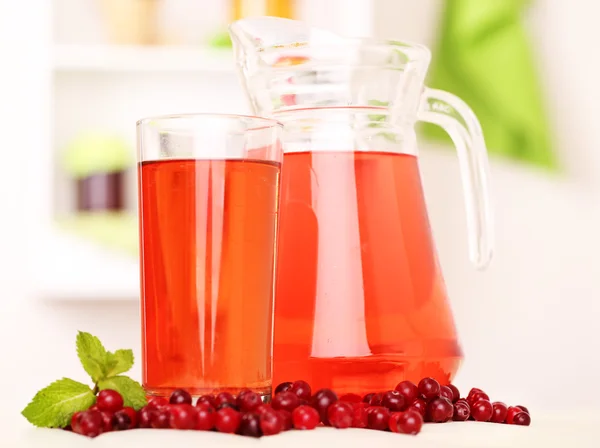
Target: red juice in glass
<point>207,236</point>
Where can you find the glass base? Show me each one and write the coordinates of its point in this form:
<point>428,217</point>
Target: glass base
<point>263,392</point>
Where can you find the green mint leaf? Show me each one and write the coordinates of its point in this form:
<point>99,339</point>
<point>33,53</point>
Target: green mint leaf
<point>118,362</point>
<point>92,355</point>
<point>132,392</point>
<point>53,406</point>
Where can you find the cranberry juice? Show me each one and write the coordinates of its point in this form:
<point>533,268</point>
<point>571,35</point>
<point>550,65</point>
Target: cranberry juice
<point>208,231</point>
<point>360,301</point>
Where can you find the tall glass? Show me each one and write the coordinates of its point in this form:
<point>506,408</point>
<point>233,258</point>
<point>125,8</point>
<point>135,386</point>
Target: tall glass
<point>208,216</point>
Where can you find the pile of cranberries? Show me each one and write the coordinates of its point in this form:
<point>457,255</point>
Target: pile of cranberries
<point>294,406</point>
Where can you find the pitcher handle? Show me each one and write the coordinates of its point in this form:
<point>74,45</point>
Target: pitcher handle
<point>458,120</point>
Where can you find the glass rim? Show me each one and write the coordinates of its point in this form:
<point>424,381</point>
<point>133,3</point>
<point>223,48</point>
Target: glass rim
<point>416,53</point>
<point>169,118</point>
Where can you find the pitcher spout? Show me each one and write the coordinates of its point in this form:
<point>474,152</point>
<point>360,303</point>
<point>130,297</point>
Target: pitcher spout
<point>255,34</point>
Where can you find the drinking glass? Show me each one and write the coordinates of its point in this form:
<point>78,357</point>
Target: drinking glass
<point>208,218</point>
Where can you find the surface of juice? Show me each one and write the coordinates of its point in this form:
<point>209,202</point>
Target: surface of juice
<point>208,231</point>
<point>360,301</point>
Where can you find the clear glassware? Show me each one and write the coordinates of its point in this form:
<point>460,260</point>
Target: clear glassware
<point>360,301</point>
<point>208,215</point>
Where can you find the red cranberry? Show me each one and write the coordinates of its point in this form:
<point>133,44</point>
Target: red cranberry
<point>250,425</point>
<point>429,388</point>
<point>499,412</point>
<point>482,411</point>
<point>93,407</point>
<point>462,411</point>
<point>248,401</point>
<point>183,416</point>
<point>160,418</point>
<point>446,392</point>
<point>206,417</point>
<point>208,399</point>
<point>340,415</point>
<point>394,401</point>
<point>455,392</point>
<point>263,407</point>
<point>106,421</point>
<point>144,417</point>
<point>75,419</point>
<point>227,405</point>
<point>227,420</point>
<point>285,400</point>
<point>373,399</point>
<point>522,419</point>
<point>321,400</point>
<point>409,390</point>
<point>109,400</point>
<point>419,405</point>
<point>180,396</point>
<point>283,387</point>
<point>476,397</point>
<point>510,414</point>
<point>286,416</point>
<point>271,423</point>
<point>157,402</point>
<point>301,389</point>
<point>523,408</point>
<point>120,421</point>
<point>90,424</point>
<point>305,417</point>
<point>350,398</point>
<point>472,392</point>
<point>132,415</point>
<point>378,418</point>
<point>440,410</point>
<point>409,422</point>
<point>241,393</point>
<point>359,415</point>
<point>224,398</point>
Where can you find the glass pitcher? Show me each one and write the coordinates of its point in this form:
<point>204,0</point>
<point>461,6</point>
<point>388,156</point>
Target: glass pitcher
<point>360,301</point>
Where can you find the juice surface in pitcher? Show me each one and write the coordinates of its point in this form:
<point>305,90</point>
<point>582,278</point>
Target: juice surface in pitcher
<point>360,301</point>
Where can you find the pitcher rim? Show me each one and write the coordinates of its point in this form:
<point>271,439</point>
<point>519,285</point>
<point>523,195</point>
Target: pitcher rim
<point>343,41</point>
<point>268,122</point>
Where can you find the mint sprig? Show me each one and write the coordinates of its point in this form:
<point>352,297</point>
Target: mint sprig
<point>92,354</point>
<point>53,406</point>
<point>98,362</point>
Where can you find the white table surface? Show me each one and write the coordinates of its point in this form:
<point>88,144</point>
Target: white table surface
<point>557,430</point>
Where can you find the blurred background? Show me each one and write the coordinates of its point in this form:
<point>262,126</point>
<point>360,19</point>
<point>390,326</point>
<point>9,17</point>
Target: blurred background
<point>76,75</point>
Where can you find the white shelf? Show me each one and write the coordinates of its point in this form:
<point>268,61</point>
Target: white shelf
<point>115,58</point>
<point>72,268</point>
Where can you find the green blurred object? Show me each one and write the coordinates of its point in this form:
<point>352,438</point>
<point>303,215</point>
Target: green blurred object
<point>93,153</point>
<point>116,231</point>
<point>221,40</point>
<point>483,56</point>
